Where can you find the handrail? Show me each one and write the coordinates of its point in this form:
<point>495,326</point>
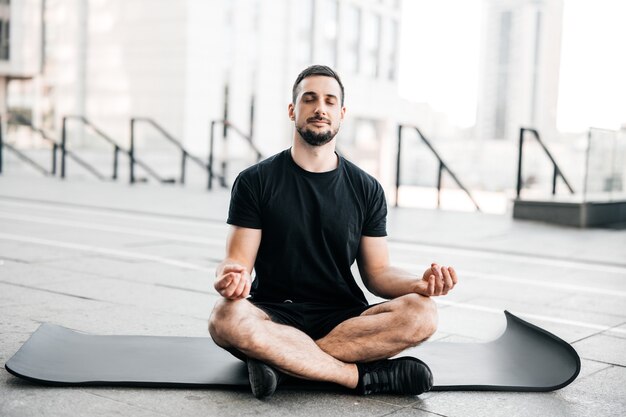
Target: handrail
<point>22,121</point>
<point>227,125</point>
<point>557,170</point>
<point>172,139</point>
<point>116,150</point>
<point>442,166</point>
<point>87,166</point>
<point>18,153</point>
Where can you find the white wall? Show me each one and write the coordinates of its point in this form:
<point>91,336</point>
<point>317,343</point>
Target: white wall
<point>25,40</point>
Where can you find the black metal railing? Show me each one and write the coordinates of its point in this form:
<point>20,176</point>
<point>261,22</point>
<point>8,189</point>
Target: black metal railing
<point>117,149</point>
<point>226,125</point>
<point>184,152</point>
<point>66,152</point>
<point>442,166</point>
<point>21,155</point>
<point>556,172</point>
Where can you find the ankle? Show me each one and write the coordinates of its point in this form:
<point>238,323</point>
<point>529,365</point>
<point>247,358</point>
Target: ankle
<point>354,376</point>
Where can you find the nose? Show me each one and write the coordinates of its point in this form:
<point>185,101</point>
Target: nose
<point>320,108</point>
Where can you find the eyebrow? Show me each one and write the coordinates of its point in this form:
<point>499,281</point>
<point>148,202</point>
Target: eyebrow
<point>314,94</point>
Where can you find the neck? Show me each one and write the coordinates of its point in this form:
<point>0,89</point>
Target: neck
<point>314,158</point>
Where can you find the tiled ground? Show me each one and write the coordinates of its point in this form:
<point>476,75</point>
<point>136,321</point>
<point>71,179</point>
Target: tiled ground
<point>112,259</point>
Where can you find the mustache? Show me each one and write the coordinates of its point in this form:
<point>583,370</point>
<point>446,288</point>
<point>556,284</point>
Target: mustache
<point>318,119</point>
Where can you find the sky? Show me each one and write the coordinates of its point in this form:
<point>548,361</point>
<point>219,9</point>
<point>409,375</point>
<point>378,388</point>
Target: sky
<point>440,52</point>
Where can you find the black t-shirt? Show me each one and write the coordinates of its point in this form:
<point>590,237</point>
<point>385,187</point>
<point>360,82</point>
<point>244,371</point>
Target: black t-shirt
<point>311,226</point>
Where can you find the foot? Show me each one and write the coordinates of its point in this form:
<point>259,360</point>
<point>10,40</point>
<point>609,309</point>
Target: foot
<point>394,376</point>
<point>263,378</point>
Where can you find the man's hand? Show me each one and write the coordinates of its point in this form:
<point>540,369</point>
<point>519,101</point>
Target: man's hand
<point>437,280</point>
<point>233,282</point>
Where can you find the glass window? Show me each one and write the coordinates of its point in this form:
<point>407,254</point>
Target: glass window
<point>5,29</point>
<point>328,50</point>
<point>4,39</point>
<point>371,38</point>
<point>502,81</point>
<point>392,50</point>
<point>351,35</point>
<point>304,44</point>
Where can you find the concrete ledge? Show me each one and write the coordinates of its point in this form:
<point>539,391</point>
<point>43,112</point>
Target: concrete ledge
<point>577,214</point>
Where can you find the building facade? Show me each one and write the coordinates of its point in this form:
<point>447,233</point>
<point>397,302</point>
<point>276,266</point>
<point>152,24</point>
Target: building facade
<point>519,74</point>
<point>187,63</point>
<point>20,43</point>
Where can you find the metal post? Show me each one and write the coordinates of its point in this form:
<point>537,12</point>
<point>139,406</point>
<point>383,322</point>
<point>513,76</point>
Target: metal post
<point>519,162</point>
<point>210,164</point>
<point>1,145</point>
<point>252,121</point>
<point>556,172</point>
<point>116,151</point>
<point>398,164</point>
<point>63,150</point>
<point>54,158</point>
<point>439,174</point>
<point>182,168</point>
<point>225,136</point>
<point>131,151</point>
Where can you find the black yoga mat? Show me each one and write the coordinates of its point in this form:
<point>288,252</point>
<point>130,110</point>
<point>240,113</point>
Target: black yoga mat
<point>524,358</point>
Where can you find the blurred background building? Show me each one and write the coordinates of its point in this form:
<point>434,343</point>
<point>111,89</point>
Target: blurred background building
<point>187,64</point>
<point>519,76</point>
<point>184,64</point>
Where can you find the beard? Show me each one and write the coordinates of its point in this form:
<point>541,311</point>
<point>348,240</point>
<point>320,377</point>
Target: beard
<point>314,138</point>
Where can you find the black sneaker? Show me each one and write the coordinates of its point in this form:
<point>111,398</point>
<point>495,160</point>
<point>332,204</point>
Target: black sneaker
<point>404,375</point>
<point>263,378</point>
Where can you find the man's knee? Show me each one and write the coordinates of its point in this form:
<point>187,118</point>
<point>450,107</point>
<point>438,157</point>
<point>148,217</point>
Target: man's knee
<point>421,317</point>
<point>232,322</point>
<point>223,318</point>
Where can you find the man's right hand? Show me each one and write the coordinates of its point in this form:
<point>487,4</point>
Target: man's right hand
<point>233,282</point>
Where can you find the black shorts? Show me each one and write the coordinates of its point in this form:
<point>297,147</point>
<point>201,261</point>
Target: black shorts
<point>314,319</point>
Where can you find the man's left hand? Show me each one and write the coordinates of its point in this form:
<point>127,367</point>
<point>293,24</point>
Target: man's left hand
<point>437,280</point>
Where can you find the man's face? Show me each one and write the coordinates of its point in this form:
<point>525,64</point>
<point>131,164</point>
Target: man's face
<point>317,112</point>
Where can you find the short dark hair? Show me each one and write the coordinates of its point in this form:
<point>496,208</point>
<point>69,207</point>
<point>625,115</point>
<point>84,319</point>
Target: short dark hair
<point>316,70</point>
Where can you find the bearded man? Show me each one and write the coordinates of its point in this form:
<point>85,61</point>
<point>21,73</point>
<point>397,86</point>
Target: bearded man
<point>300,219</point>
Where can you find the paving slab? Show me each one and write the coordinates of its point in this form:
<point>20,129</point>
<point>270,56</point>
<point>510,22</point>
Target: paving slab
<point>203,402</point>
<point>621,334</point>
<point>23,399</point>
<point>164,299</point>
<point>29,253</point>
<point>549,317</point>
<point>593,303</point>
<point>503,234</point>
<point>116,268</point>
<point>138,295</point>
<point>603,348</point>
<point>582,398</point>
<point>33,274</point>
<point>132,198</point>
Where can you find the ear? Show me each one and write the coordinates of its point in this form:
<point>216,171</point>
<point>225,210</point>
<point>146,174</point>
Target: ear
<point>291,111</point>
<point>343,113</point>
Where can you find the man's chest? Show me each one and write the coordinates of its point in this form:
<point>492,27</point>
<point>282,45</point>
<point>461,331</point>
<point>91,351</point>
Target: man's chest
<point>303,210</point>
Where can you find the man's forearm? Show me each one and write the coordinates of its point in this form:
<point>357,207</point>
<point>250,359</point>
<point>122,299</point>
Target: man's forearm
<point>392,282</point>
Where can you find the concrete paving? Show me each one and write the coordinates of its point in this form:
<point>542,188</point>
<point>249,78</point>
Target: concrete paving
<point>111,258</point>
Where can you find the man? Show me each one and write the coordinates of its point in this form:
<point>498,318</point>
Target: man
<point>300,219</point>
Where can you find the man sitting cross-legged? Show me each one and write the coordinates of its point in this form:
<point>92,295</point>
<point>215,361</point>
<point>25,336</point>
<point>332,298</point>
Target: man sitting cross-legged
<point>300,219</point>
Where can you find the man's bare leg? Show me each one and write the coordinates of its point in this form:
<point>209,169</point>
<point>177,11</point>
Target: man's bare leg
<point>382,331</point>
<point>241,325</point>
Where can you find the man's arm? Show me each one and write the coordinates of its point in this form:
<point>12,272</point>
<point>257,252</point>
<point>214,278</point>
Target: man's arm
<point>232,275</point>
<point>387,281</point>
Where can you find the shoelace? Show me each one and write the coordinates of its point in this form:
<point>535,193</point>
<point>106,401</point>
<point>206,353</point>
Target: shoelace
<point>378,380</point>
